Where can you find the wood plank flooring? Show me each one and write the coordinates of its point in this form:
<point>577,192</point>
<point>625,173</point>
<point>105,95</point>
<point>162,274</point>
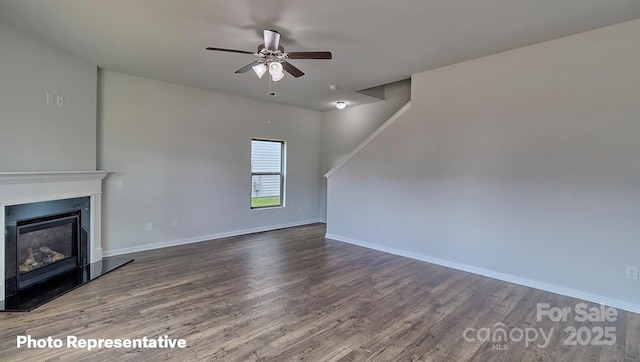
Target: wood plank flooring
<point>291,295</point>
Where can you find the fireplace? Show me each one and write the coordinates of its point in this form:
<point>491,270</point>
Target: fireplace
<point>43,240</point>
<point>52,230</point>
<point>47,247</point>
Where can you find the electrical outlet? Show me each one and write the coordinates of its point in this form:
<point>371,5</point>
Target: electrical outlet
<point>149,226</point>
<point>49,98</point>
<point>60,101</point>
<point>174,223</point>
<point>632,272</point>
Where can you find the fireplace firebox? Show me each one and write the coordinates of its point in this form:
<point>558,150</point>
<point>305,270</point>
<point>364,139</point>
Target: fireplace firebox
<point>47,246</point>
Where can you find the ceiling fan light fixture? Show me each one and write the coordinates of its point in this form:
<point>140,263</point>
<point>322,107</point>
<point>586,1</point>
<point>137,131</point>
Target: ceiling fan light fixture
<point>340,105</point>
<point>260,69</point>
<point>277,77</point>
<point>275,69</point>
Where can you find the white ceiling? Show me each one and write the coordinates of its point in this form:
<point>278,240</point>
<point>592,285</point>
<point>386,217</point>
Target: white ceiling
<point>373,42</point>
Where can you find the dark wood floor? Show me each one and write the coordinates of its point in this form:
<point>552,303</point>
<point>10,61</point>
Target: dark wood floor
<point>291,295</point>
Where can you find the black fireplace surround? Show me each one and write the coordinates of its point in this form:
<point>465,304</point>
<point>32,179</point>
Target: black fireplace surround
<point>45,239</point>
<point>47,252</point>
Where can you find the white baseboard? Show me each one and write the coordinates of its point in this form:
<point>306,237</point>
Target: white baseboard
<point>324,221</point>
<point>619,304</point>
<point>197,239</point>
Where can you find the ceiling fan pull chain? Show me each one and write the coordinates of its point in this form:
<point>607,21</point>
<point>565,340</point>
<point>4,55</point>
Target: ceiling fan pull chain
<point>272,92</point>
<point>275,89</point>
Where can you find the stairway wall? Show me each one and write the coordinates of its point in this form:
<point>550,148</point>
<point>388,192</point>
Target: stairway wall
<point>522,166</point>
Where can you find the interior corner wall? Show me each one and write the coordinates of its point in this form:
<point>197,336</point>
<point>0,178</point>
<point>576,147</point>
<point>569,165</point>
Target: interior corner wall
<point>343,130</point>
<point>34,135</point>
<point>522,165</point>
<point>184,154</point>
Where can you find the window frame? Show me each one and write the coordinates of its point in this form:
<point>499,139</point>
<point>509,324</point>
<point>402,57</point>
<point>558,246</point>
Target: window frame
<point>281,174</point>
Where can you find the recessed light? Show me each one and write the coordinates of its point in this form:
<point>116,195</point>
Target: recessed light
<point>332,87</point>
<point>340,105</point>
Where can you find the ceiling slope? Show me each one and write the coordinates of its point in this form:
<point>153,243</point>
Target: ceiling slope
<point>373,42</point>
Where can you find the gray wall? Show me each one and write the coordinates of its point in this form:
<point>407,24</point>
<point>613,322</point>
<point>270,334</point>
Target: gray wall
<point>35,136</point>
<point>522,165</point>
<point>343,130</point>
<point>185,154</point>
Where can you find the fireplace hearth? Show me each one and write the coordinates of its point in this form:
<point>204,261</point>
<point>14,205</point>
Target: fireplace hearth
<point>25,300</point>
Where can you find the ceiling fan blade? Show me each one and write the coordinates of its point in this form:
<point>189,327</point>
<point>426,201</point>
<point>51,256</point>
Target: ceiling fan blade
<point>309,55</point>
<point>271,39</point>
<point>292,70</point>
<point>248,67</point>
<point>229,50</point>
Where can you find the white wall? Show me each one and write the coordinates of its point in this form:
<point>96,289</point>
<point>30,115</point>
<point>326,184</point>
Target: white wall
<point>522,165</point>
<point>343,130</point>
<point>185,153</point>
<point>35,136</point>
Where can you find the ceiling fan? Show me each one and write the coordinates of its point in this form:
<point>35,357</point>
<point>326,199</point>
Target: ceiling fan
<point>273,57</point>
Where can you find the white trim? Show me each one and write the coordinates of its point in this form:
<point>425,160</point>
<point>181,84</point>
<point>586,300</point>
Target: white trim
<point>324,221</point>
<point>369,139</point>
<point>95,228</point>
<point>573,293</point>
<point>97,253</point>
<point>197,239</point>
<point>267,207</point>
<point>52,176</point>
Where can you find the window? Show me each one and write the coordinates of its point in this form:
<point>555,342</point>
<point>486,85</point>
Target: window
<point>267,173</point>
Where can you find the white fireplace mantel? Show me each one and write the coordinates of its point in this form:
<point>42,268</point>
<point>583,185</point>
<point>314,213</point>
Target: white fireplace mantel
<point>56,176</point>
<point>26,187</point>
